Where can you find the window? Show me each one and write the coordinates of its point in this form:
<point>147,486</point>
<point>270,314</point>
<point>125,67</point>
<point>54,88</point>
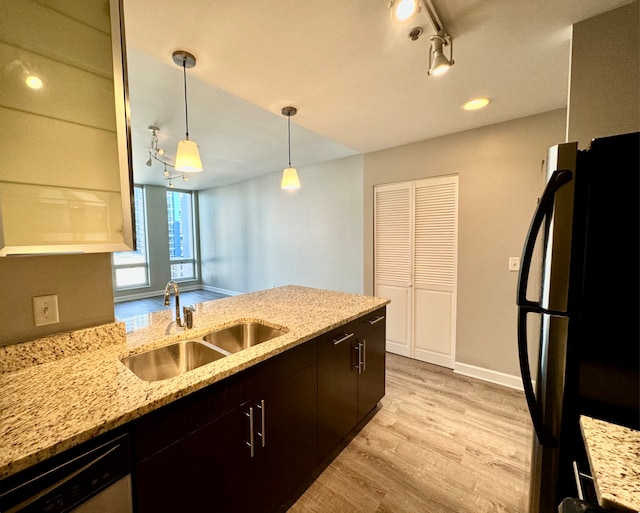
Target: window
<point>131,268</point>
<point>181,235</point>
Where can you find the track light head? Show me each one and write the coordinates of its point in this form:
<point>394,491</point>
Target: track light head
<point>438,62</point>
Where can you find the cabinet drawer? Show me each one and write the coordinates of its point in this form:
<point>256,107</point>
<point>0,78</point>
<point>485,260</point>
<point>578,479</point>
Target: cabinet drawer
<point>371,321</point>
<point>282,366</point>
<point>344,335</point>
<point>351,332</point>
<point>165,426</point>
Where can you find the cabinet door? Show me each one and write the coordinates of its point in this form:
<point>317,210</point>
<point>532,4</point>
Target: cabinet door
<point>371,377</point>
<point>337,388</point>
<point>209,470</point>
<point>82,110</point>
<point>285,438</point>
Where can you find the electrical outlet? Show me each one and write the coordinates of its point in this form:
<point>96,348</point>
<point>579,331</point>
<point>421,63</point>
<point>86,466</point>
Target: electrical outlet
<point>45,310</point>
<point>514,264</point>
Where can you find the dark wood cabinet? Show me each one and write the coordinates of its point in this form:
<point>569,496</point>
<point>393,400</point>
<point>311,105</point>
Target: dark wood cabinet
<point>337,388</point>
<point>206,471</point>
<point>371,373</point>
<point>351,374</point>
<point>248,442</point>
<point>285,439</point>
<point>228,454</point>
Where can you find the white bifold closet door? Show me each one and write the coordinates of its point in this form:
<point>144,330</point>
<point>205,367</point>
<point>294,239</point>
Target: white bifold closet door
<point>416,232</point>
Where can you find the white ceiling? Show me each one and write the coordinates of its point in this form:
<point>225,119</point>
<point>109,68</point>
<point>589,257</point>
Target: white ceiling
<point>358,81</point>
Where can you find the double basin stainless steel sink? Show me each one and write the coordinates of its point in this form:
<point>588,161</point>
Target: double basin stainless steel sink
<point>180,357</point>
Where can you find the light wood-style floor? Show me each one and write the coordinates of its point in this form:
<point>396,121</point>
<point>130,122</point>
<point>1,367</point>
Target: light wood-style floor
<point>441,443</point>
<point>126,309</point>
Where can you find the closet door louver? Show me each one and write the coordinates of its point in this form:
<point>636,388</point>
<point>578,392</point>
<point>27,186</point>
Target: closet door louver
<point>435,233</point>
<point>393,235</point>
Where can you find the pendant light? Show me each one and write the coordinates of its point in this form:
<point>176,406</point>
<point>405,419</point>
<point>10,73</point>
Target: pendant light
<point>187,154</point>
<point>290,178</point>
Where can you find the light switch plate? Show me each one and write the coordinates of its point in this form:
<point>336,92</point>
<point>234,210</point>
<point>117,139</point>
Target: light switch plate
<point>45,310</point>
<point>514,264</point>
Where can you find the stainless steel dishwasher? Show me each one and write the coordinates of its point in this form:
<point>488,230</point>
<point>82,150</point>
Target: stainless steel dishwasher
<point>93,478</point>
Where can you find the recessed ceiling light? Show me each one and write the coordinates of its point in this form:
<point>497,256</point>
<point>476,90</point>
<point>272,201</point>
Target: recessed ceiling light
<point>33,82</point>
<point>402,10</point>
<point>476,103</point>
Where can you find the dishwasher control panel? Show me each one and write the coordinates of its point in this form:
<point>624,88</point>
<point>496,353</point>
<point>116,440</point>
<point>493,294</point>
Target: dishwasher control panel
<point>68,481</point>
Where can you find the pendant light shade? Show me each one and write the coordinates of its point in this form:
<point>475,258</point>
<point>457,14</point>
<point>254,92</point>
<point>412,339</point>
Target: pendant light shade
<point>290,178</point>
<point>188,157</point>
<point>187,154</point>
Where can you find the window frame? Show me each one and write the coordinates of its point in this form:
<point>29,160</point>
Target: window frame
<point>194,260</point>
<point>140,217</point>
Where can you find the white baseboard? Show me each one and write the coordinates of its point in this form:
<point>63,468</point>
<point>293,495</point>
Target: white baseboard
<point>398,349</point>
<point>220,291</point>
<point>500,378</point>
<point>433,357</point>
<point>141,295</point>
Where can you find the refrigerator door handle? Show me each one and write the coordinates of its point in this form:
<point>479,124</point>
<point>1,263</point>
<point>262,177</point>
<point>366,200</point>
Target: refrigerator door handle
<point>535,410</point>
<point>556,181</point>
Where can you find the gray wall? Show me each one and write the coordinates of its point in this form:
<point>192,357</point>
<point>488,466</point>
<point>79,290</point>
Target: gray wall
<point>255,236</point>
<point>605,76</point>
<point>500,179</point>
<point>82,283</point>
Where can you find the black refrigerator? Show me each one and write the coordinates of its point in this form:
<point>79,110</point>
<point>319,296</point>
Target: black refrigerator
<point>578,307</point>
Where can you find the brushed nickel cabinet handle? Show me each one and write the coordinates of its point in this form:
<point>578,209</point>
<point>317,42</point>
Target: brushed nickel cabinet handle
<point>377,319</point>
<point>262,432</point>
<point>346,336</point>
<point>250,442</point>
<point>362,358</point>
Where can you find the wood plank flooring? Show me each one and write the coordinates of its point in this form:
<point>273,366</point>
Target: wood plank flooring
<point>441,443</point>
<point>126,309</point>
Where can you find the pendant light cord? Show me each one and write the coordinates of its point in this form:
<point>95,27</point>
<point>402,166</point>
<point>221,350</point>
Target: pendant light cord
<point>289,136</point>
<point>186,109</point>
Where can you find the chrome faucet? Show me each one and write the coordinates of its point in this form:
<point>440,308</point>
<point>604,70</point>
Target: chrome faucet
<point>188,310</point>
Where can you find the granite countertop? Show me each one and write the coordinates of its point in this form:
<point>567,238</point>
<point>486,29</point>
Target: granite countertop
<point>614,458</point>
<point>59,392</point>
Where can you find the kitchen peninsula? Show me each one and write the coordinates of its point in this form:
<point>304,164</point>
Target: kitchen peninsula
<point>79,389</point>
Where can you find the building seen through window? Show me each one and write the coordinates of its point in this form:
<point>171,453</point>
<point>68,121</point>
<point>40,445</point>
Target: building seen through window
<point>131,268</point>
<point>181,235</point>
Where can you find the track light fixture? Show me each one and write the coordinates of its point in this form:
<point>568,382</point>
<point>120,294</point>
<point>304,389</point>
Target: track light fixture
<point>290,178</point>
<point>156,153</point>
<point>404,10</point>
